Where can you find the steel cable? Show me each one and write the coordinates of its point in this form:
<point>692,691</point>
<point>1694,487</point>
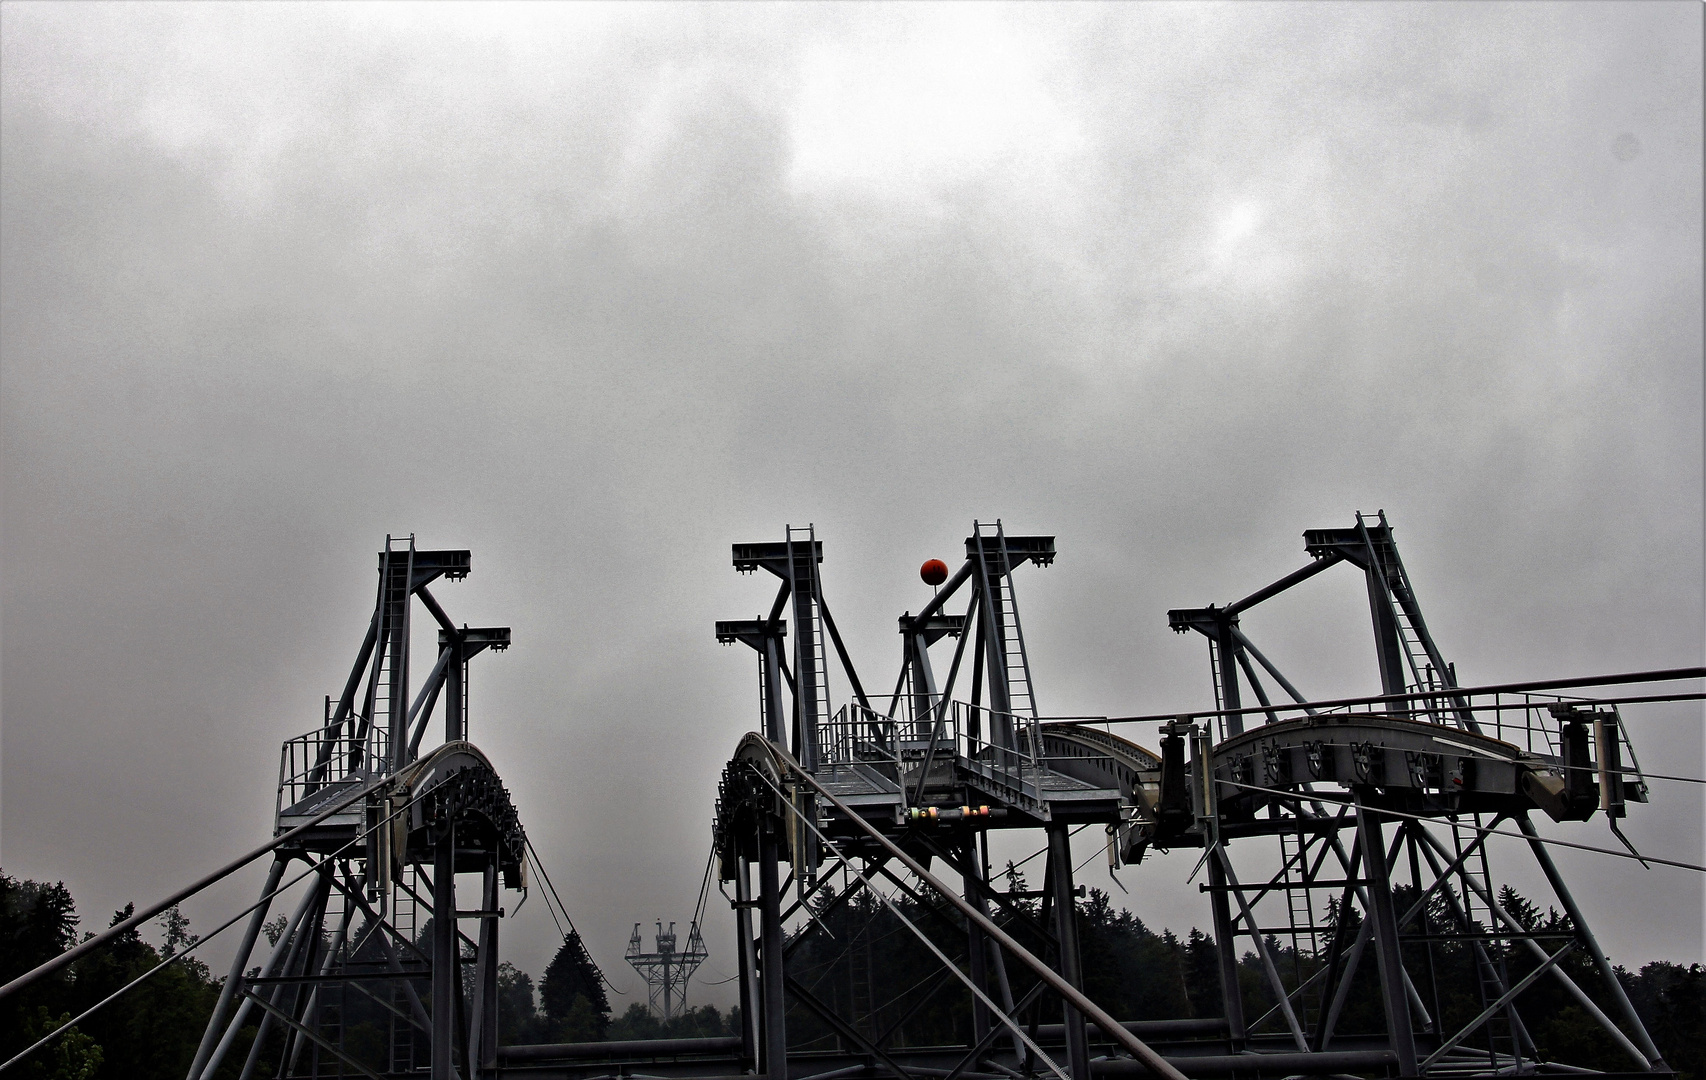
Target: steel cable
<point>1626,771</point>
<point>82,949</point>
<point>1475,828</point>
<point>175,957</point>
<point>922,936</point>
<point>552,893</point>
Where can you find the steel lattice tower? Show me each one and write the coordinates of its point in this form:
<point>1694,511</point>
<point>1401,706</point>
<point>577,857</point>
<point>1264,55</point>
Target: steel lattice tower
<point>381,921</point>
<point>666,969</point>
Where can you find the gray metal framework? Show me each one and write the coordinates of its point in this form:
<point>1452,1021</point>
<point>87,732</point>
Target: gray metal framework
<point>1359,796</point>
<point>380,922</point>
<point>666,968</point>
<point>1416,783</point>
<point>885,785</point>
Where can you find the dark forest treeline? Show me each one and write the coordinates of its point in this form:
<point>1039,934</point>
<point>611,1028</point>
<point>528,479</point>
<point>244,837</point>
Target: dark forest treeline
<point>873,969</point>
<point>859,959</point>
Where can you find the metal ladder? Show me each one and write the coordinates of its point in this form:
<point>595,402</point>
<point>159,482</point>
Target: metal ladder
<point>329,1003</point>
<point>1300,906</point>
<point>860,1000</point>
<point>1422,674</point>
<point>1491,975</point>
<point>1420,652</point>
<point>331,1025</point>
<point>466,720</point>
<point>1020,700</point>
<point>394,576</point>
<point>819,690</point>
<point>1215,675</point>
<point>405,918</point>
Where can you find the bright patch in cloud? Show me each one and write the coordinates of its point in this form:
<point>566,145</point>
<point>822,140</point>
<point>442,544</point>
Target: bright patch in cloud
<point>933,102</point>
<point>1244,219</point>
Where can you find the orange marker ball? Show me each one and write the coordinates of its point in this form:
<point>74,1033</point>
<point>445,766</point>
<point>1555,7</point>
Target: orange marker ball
<point>934,572</point>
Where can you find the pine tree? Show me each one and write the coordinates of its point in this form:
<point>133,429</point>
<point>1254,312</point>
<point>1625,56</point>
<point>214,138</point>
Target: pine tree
<point>572,992</point>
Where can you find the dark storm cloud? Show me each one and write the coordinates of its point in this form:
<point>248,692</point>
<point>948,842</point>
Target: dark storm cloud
<point>596,291</point>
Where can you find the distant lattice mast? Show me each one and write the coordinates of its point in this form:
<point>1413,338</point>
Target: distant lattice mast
<point>666,968</point>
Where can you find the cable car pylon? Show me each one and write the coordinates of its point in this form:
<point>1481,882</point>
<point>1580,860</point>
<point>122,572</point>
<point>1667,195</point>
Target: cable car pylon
<point>1360,795</point>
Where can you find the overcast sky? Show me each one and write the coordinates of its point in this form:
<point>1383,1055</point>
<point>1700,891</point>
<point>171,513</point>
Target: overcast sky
<point>596,291</point>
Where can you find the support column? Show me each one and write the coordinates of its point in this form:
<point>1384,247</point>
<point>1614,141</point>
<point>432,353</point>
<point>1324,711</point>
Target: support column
<point>991,626</point>
<point>483,1023</point>
<point>455,670</point>
<point>276,957</point>
<point>444,962</point>
<point>239,964</point>
<point>1226,648</point>
<point>770,930</point>
<point>1335,951</point>
<point>1612,984</point>
<point>977,949</point>
<point>1392,990</point>
<point>1226,950</point>
<point>401,598</point>
<point>771,672</point>
<point>805,658</point>
<point>748,966</point>
<point>997,961</point>
<point>303,942</point>
<point>1071,964</point>
<point>1388,650</point>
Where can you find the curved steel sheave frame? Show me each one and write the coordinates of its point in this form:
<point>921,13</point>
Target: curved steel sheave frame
<point>1438,768</point>
<point>884,785</point>
<point>379,921</point>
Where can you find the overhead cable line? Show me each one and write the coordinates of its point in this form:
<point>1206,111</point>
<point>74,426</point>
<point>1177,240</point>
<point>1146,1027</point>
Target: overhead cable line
<point>704,886</point>
<point>1091,1011</point>
<point>1085,863</point>
<point>848,948</point>
<point>1476,828</point>
<point>551,890</point>
<point>894,909</point>
<point>1044,849</point>
<point>1664,675</point>
<point>548,908</point>
<point>360,835</point>
<point>1625,771</point>
<point>181,895</point>
<point>540,863</point>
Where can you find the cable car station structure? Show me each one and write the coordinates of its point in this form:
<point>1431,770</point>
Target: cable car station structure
<point>381,919</point>
<point>1346,797</point>
<point>377,819</point>
<point>1379,806</point>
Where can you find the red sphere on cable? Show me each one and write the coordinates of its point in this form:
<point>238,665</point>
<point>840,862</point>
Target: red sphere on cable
<point>934,572</point>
